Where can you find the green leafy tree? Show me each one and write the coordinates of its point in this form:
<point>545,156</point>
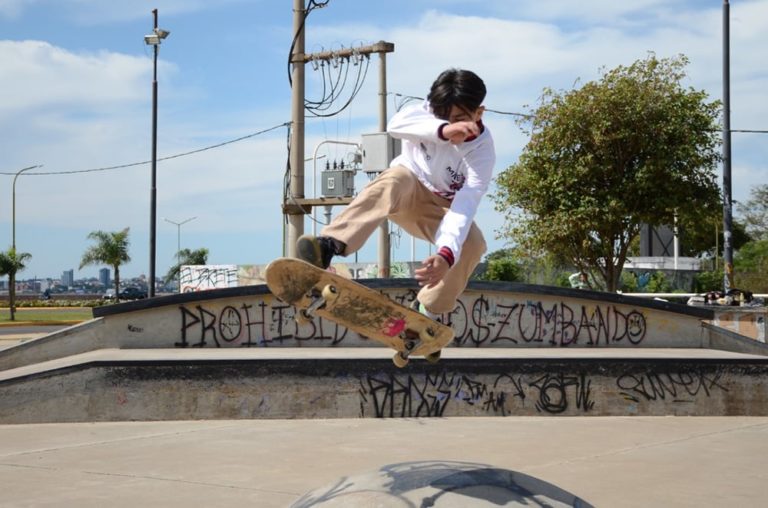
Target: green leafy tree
<point>634,147</point>
<point>707,237</point>
<point>751,266</point>
<point>503,269</point>
<point>512,265</point>
<point>111,249</point>
<point>755,212</point>
<point>12,262</point>
<point>187,257</point>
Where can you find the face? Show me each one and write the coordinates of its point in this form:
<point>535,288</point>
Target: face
<point>459,114</point>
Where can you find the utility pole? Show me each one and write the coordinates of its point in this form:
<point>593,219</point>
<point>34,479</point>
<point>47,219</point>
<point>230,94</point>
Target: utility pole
<point>727,193</point>
<point>385,261</point>
<point>296,188</point>
<point>295,205</point>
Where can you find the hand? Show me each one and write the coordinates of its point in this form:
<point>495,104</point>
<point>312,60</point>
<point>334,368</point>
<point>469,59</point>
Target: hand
<point>457,132</point>
<point>432,271</point>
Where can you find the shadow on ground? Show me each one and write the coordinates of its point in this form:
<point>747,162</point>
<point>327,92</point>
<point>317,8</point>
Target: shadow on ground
<point>440,484</point>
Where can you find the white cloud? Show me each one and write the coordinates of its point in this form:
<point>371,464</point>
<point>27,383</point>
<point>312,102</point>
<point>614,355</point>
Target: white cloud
<point>36,75</point>
<point>73,110</point>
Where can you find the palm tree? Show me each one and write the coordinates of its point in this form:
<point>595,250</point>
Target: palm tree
<point>111,249</point>
<point>187,257</point>
<point>12,262</point>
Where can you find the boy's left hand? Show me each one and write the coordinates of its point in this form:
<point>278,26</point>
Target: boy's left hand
<point>432,271</point>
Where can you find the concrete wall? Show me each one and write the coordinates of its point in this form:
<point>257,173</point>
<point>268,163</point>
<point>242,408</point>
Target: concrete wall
<point>750,322</point>
<point>487,315</point>
<point>481,319</point>
<point>496,315</point>
<point>359,387</point>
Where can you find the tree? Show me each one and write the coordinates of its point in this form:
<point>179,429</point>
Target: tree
<point>708,238</point>
<point>755,212</point>
<point>12,262</point>
<point>110,249</point>
<point>634,147</point>
<point>751,266</point>
<point>187,257</point>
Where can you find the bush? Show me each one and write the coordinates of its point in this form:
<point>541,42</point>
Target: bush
<point>659,284</point>
<point>505,269</point>
<point>21,304</point>
<point>709,281</point>
<point>628,282</point>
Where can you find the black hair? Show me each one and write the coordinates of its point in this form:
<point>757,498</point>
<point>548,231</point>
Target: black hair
<point>456,87</point>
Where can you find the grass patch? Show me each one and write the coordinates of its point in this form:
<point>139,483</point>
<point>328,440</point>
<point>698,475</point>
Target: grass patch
<point>64,315</point>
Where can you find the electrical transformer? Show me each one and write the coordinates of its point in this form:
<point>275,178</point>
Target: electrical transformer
<point>338,183</point>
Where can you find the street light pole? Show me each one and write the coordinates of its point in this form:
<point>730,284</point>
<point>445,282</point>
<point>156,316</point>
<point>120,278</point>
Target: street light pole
<point>154,40</point>
<point>13,199</point>
<point>727,192</point>
<point>178,234</point>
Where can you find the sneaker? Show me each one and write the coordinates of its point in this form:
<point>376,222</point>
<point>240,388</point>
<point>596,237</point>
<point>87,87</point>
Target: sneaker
<point>317,250</point>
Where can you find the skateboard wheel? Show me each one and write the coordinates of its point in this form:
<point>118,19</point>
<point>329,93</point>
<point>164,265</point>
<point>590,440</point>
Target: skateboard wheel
<point>434,357</point>
<point>329,293</point>
<point>399,360</point>
<point>427,335</point>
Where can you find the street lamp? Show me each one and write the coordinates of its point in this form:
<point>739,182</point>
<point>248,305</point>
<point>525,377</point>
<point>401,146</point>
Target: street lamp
<point>154,39</point>
<point>178,234</point>
<point>13,234</point>
<point>178,241</point>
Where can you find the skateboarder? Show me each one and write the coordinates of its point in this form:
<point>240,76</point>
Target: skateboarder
<point>432,190</point>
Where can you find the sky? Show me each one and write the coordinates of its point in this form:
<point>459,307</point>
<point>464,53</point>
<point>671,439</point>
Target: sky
<point>76,96</point>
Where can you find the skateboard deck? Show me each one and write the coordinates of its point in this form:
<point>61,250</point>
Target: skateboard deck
<point>314,291</point>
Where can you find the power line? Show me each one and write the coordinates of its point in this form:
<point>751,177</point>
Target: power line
<point>407,98</point>
<point>176,156</point>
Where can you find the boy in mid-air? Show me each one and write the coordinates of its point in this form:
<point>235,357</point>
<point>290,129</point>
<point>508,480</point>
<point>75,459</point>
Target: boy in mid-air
<point>432,191</point>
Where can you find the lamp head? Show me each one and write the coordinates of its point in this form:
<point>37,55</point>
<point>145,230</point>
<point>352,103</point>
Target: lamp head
<point>156,37</point>
<point>151,40</point>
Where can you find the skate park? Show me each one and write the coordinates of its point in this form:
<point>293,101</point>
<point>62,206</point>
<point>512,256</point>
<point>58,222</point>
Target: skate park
<point>546,397</point>
<point>282,414</point>
<point>519,350</point>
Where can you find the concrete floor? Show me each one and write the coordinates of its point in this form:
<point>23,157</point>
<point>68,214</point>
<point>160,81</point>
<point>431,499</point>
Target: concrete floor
<point>591,461</point>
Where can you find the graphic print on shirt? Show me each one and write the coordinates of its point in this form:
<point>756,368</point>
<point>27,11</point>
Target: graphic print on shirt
<point>425,152</point>
<point>457,182</point>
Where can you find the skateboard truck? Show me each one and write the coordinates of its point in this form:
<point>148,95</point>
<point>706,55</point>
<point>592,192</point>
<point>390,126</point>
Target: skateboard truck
<point>319,299</point>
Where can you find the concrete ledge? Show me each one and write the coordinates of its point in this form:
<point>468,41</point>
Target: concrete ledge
<point>412,284</point>
<point>170,385</point>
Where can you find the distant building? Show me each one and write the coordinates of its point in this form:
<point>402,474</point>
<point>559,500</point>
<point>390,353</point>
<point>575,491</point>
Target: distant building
<point>68,278</point>
<point>104,277</point>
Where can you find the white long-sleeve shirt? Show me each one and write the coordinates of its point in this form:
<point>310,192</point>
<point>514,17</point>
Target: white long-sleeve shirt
<point>461,173</point>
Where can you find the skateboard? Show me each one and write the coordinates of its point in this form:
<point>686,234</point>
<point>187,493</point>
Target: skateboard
<point>314,291</point>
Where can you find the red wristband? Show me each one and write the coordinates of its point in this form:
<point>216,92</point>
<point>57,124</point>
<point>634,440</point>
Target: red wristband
<point>447,254</point>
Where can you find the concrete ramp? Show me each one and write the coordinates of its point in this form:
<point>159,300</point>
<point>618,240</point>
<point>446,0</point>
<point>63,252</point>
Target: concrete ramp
<point>115,385</point>
<point>488,315</point>
<point>519,350</point>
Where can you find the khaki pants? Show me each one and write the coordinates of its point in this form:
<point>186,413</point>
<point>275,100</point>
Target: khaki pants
<point>398,195</point>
